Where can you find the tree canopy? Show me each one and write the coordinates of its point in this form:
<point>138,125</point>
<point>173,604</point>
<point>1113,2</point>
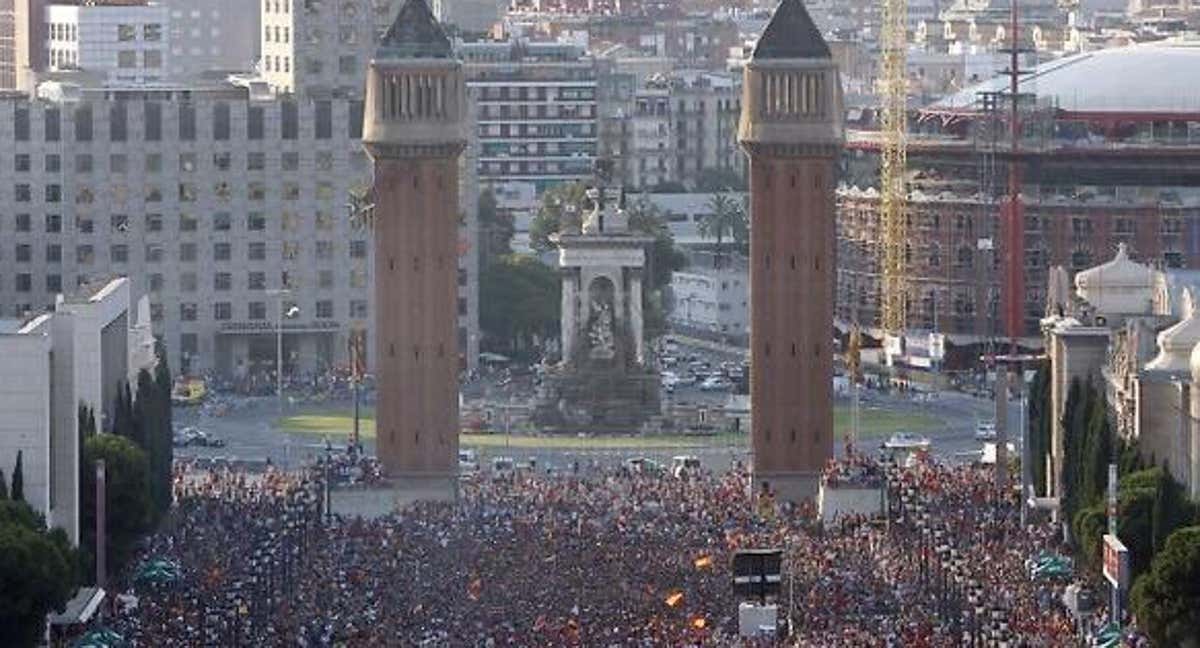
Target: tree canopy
<point>1167,599</point>
<point>130,504</point>
<point>725,221</point>
<point>518,303</point>
<point>37,573</point>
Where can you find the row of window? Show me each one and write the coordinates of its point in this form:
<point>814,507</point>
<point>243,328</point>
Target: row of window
<point>221,222</point>
<point>187,192</point>
<point>118,163</point>
<point>188,252</point>
<point>222,122</point>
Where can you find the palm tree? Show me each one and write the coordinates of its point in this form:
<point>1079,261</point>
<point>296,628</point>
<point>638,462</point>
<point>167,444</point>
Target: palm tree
<point>726,217</point>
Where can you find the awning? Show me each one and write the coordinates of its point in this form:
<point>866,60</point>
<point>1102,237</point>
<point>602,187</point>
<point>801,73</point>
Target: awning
<point>80,608</point>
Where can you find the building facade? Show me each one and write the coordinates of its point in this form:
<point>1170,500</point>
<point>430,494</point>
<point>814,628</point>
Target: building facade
<point>125,43</point>
<point>207,200</point>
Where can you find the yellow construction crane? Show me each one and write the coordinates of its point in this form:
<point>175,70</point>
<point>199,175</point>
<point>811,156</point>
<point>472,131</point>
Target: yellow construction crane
<point>893,87</point>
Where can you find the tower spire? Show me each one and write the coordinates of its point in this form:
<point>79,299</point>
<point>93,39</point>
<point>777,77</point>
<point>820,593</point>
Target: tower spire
<point>791,34</point>
<point>415,33</point>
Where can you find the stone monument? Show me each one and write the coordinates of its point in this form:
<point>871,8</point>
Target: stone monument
<point>603,382</point>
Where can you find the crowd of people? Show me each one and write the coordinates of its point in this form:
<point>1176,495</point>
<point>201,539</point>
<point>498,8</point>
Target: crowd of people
<point>600,559</point>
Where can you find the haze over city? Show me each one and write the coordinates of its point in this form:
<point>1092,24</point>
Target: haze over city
<point>599,323</point>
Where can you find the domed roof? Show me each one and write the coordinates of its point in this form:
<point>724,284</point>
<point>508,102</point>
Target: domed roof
<point>1176,343</point>
<point>1151,77</point>
<point>1118,286</point>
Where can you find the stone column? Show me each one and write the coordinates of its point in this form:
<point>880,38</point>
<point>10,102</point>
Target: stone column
<point>570,308</point>
<point>635,316</point>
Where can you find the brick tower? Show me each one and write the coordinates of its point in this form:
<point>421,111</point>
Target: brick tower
<point>413,129</point>
<point>791,129</point>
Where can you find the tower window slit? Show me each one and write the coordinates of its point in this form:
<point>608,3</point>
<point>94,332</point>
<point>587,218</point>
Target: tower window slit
<point>391,350</point>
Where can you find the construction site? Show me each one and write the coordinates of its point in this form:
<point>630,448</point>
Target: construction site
<point>949,217</point>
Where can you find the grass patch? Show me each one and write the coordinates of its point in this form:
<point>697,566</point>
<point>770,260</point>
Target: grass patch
<point>876,424</point>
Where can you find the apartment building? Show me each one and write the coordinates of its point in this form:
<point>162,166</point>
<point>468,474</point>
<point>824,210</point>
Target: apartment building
<point>536,111</point>
<point>680,126</point>
<point>321,47</point>
<point>8,45</point>
<point>126,43</point>
<point>211,201</point>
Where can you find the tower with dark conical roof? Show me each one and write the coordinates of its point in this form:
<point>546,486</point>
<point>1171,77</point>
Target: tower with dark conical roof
<point>414,131</point>
<point>791,129</point>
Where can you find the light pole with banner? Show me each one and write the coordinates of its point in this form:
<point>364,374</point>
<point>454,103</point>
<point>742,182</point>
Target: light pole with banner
<point>1116,555</point>
<point>293,311</point>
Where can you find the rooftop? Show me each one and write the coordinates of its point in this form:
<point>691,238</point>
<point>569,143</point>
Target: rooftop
<point>1158,77</point>
<point>791,34</point>
<point>415,34</point>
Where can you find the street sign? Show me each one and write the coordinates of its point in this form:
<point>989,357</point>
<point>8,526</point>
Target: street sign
<point>1116,562</point>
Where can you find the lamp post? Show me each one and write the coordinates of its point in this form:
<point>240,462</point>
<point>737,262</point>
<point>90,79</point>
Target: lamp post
<point>279,294</point>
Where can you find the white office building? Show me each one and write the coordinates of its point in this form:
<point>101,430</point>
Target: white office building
<point>77,354</point>
<point>210,200</point>
<point>125,43</point>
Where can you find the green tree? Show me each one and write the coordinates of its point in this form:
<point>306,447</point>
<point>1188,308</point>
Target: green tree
<point>129,510</point>
<point>726,220</point>
<point>562,208</point>
<point>1039,425</point>
<point>1098,451</point>
<point>162,383</point>
<point>36,574</point>
<point>17,492</point>
<point>496,230</point>
<point>519,303</point>
<point>1090,524</point>
<point>1166,599</point>
<point>3,486</point>
<point>719,180</point>
<point>1073,411</point>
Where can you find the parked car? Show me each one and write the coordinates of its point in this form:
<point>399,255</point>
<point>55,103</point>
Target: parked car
<point>985,431</point>
<point>684,466</point>
<point>468,463</point>
<point>716,383</point>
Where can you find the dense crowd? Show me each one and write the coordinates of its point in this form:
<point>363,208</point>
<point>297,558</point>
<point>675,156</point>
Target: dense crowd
<point>608,559</point>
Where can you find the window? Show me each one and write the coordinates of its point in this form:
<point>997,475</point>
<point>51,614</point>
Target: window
<point>22,193</point>
<point>53,223</point>
<point>126,33</point>
<point>222,221</point>
<point>152,59</point>
<point>54,253</point>
<point>325,309</point>
<point>187,252</point>
<point>153,162</point>
<point>53,193</point>
<point>84,225</point>
<point>324,249</point>
<point>221,121</point>
<point>187,282</point>
<point>324,161</point>
<point>291,191</point>
<point>290,161</point>
<point>222,251</point>
<point>127,59</point>
<point>356,120</point>
<point>83,163</point>
<point>358,249</point>
<point>154,222</point>
<point>347,64</point>
<point>256,281</point>
<point>187,312</point>
<point>24,253</point>
<point>256,311</point>
<point>256,191</point>
<point>21,163</point>
<point>187,192</point>
<point>152,32</point>
<point>325,279</point>
<point>21,124</point>
<point>256,251</point>
<point>187,122</point>
<point>53,125</point>
<point>53,283</point>
<point>289,115</point>
<point>254,123</point>
<point>153,126</point>
<point>154,253</point>
<point>256,222</point>
<point>83,123</point>
<point>24,282</point>
<point>154,194</point>
<point>118,163</point>
<point>222,311</point>
<point>119,223</point>
<point>222,281</point>
<point>84,254</point>
<point>324,220</point>
<point>188,223</point>
<point>117,122</point>
<point>358,309</point>
<point>256,161</point>
<point>53,163</point>
<point>324,119</point>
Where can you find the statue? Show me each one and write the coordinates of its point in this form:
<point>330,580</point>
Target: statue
<point>593,223</point>
<point>600,333</point>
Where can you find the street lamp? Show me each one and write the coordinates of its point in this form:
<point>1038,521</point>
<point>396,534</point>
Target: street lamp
<point>291,313</point>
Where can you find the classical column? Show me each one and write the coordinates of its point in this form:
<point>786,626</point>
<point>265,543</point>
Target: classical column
<point>570,311</point>
<point>636,325</point>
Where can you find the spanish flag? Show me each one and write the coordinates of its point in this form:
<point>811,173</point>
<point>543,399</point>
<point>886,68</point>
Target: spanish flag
<point>675,598</point>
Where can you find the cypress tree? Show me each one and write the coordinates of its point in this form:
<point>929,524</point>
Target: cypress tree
<point>162,383</point>
<point>1098,450</point>
<point>1072,411</point>
<point>17,492</point>
<point>3,486</point>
